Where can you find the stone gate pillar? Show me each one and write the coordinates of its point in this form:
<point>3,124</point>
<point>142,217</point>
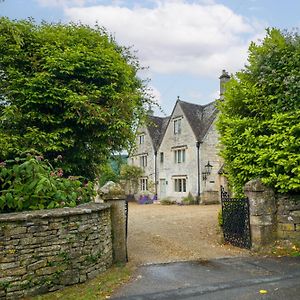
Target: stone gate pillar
<point>114,195</point>
<point>119,226</point>
<point>262,213</point>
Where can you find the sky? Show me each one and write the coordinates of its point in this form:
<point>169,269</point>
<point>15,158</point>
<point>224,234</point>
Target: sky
<point>184,44</point>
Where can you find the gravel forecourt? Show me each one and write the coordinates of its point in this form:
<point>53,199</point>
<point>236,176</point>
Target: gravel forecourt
<point>165,233</point>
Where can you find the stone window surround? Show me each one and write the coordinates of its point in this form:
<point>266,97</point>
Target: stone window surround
<point>141,138</point>
<point>177,128</point>
<point>161,157</point>
<point>179,155</point>
<point>143,160</point>
<point>180,183</point>
<point>144,184</point>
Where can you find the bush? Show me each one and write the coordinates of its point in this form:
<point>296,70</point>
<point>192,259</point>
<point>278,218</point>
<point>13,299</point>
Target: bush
<point>188,200</point>
<point>220,218</point>
<point>30,183</point>
<point>259,118</point>
<point>167,201</point>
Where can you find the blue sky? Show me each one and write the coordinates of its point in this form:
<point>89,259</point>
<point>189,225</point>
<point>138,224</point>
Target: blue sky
<point>185,44</point>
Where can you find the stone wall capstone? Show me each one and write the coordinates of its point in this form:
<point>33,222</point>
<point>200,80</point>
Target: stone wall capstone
<point>45,250</point>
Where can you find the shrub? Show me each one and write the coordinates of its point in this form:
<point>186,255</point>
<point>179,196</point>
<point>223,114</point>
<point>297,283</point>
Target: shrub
<point>30,183</point>
<point>220,217</point>
<point>259,118</point>
<point>188,200</point>
<point>167,201</point>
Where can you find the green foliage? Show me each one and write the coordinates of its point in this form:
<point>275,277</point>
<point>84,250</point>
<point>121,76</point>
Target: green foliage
<point>259,121</point>
<point>131,175</point>
<point>189,199</point>
<point>129,172</point>
<point>67,89</point>
<point>110,171</point>
<point>220,217</point>
<point>107,174</point>
<point>167,201</point>
<point>31,183</point>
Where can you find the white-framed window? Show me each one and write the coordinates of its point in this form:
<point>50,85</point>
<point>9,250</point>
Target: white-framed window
<point>143,184</point>
<point>141,139</point>
<point>179,156</point>
<point>143,161</point>
<point>177,126</point>
<point>161,156</point>
<point>180,185</point>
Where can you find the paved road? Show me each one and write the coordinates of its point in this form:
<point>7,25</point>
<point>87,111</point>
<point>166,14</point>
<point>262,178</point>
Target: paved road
<point>226,278</point>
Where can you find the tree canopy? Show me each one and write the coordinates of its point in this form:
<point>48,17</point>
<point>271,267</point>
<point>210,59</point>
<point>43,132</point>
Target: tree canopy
<point>69,90</point>
<point>259,117</point>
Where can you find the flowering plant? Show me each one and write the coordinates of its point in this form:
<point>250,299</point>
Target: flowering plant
<point>30,182</point>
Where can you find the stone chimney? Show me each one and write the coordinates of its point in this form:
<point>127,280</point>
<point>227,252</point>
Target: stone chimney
<point>150,111</point>
<point>223,79</point>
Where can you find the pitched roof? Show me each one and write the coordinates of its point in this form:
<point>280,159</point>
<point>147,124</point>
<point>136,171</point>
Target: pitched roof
<point>200,117</point>
<point>156,128</point>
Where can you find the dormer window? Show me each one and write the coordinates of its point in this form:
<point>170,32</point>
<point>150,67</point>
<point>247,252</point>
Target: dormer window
<point>141,139</point>
<point>177,126</point>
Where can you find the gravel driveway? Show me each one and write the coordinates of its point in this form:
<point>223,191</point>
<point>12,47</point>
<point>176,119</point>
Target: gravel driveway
<point>163,233</point>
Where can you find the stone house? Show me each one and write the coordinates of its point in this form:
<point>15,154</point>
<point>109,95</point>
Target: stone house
<point>179,153</point>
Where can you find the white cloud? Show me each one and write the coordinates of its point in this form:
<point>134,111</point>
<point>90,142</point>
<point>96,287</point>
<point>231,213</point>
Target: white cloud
<point>176,36</point>
<point>155,93</point>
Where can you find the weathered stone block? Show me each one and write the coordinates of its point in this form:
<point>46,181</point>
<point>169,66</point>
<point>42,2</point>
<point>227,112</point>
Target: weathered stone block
<point>49,270</point>
<point>262,220</point>
<point>11,230</point>
<point>37,265</point>
<point>70,277</point>
<point>286,227</point>
<point>14,271</point>
<point>10,265</point>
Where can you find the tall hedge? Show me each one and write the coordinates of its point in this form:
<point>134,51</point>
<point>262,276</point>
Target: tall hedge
<point>259,120</point>
<point>66,89</point>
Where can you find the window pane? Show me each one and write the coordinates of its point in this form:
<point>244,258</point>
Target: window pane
<point>179,127</point>
<point>184,185</point>
<point>183,155</point>
<point>161,157</point>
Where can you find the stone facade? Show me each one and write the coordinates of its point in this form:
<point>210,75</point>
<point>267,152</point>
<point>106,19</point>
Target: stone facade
<point>162,168</point>
<point>145,148</point>
<point>272,216</point>
<point>190,132</point>
<point>45,250</point>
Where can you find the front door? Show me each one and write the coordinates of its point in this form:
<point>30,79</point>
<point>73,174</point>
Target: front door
<point>162,188</point>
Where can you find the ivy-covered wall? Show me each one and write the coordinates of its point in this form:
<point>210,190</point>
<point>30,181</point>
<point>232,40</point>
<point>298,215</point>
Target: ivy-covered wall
<point>46,250</point>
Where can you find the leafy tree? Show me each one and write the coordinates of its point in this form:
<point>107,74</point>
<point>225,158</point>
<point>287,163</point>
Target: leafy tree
<point>259,121</point>
<point>131,175</point>
<point>68,90</point>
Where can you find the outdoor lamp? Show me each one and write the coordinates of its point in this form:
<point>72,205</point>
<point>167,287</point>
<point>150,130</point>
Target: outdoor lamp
<point>208,168</point>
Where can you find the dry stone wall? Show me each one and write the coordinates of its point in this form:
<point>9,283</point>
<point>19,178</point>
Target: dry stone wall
<point>288,217</point>
<point>46,250</point>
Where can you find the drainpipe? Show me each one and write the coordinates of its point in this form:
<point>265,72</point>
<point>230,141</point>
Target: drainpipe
<point>155,172</point>
<point>198,170</point>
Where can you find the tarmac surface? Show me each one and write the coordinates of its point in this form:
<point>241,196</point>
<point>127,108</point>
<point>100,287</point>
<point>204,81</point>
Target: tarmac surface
<point>244,278</point>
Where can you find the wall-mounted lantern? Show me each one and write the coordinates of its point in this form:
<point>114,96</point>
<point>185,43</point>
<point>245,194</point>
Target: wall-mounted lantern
<point>207,172</point>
